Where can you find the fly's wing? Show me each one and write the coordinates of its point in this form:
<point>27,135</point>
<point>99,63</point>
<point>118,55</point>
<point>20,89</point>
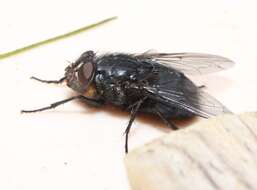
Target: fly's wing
<point>189,63</point>
<point>190,98</point>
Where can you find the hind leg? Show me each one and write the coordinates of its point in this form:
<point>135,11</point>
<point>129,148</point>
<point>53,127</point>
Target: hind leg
<point>166,121</point>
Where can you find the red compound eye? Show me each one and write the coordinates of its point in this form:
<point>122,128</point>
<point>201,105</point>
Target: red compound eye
<point>85,74</point>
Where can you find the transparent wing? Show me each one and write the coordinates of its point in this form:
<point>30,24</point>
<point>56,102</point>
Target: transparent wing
<point>189,63</point>
<point>191,99</point>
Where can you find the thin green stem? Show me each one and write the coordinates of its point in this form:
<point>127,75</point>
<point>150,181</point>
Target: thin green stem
<point>56,38</point>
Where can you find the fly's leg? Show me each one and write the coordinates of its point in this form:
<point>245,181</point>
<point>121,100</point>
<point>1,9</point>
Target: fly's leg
<point>166,121</point>
<point>92,102</point>
<point>132,118</point>
<point>54,105</point>
<point>202,86</point>
<point>49,81</point>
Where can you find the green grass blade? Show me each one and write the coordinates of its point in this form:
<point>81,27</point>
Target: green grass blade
<point>54,39</point>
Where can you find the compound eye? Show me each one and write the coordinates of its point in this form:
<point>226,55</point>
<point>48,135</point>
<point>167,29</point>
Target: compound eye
<point>86,57</point>
<point>86,74</point>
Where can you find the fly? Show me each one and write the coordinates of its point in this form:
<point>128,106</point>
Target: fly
<point>152,83</point>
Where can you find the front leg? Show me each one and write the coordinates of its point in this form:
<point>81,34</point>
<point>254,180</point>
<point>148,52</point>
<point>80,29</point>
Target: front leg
<point>97,102</point>
<point>56,104</point>
<point>49,81</point>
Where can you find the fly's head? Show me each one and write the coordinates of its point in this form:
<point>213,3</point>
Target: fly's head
<point>80,74</point>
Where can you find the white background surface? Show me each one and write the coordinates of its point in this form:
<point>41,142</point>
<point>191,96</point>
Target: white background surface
<point>74,147</point>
